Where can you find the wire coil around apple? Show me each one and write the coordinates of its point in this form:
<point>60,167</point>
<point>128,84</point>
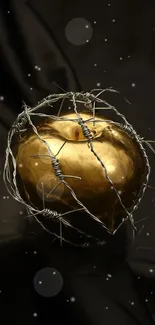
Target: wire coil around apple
<point>91,100</point>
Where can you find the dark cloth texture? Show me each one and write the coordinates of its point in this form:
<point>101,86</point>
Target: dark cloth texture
<point>32,33</point>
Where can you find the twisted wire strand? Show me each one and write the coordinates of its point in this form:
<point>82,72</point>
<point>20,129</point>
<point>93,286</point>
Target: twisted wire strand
<point>86,98</point>
<point>88,135</point>
<point>59,217</point>
<point>128,127</point>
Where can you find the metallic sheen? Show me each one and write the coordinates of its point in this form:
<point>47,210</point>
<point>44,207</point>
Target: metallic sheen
<point>118,151</point>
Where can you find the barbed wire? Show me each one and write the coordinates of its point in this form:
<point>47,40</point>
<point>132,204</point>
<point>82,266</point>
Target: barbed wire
<point>90,102</point>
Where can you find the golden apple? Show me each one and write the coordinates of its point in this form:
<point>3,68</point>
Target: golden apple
<point>118,151</point>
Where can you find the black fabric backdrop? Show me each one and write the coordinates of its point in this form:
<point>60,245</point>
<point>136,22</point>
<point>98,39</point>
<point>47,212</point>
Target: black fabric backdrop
<point>121,54</point>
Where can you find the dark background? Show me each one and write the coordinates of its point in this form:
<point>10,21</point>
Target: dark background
<point>35,55</point>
